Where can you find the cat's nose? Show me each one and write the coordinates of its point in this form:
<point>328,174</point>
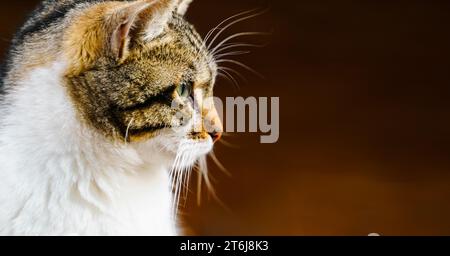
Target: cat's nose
<point>215,136</point>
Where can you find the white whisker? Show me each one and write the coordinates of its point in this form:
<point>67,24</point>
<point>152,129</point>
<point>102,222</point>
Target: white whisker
<point>227,144</point>
<point>202,171</point>
<point>242,65</point>
<point>230,78</point>
<point>231,24</point>
<point>236,53</point>
<point>209,34</point>
<point>236,45</point>
<point>225,21</point>
<point>219,164</point>
<point>236,36</point>
<point>234,71</point>
<point>224,76</point>
<point>128,129</point>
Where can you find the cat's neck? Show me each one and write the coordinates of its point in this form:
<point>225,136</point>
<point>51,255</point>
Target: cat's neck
<point>93,186</point>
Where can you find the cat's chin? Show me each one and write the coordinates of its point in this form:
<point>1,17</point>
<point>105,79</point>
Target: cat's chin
<point>182,152</point>
<point>189,151</point>
<point>192,148</point>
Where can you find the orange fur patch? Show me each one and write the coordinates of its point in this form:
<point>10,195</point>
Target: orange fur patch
<point>87,38</point>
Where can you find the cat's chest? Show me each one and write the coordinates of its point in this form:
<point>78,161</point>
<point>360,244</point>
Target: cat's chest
<point>143,205</point>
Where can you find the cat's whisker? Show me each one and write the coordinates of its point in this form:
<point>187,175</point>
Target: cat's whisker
<point>199,187</point>
<point>212,192</point>
<point>180,176</point>
<point>233,23</point>
<point>229,78</point>
<point>175,168</point>
<point>236,45</point>
<point>204,175</point>
<point>175,163</point>
<point>177,192</point>
<point>210,33</point>
<point>234,80</point>
<point>220,74</point>
<point>187,179</point>
<point>242,65</point>
<point>202,167</point>
<point>223,75</point>
<point>179,184</point>
<point>237,35</point>
<point>219,164</point>
<point>191,169</point>
<point>128,130</point>
<point>207,177</point>
<point>185,187</point>
<point>235,53</point>
<point>227,144</point>
<point>235,72</point>
<point>185,175</point>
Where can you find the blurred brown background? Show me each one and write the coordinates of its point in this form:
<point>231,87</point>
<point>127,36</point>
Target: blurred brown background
<point>365,127</point>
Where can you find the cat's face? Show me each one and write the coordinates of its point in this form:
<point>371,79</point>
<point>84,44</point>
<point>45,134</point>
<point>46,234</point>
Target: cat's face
<point>147,79</point>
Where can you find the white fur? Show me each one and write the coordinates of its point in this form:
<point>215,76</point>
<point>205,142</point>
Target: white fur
<point>158,21</point>
<point>183,6</point>
<point>58,177</point>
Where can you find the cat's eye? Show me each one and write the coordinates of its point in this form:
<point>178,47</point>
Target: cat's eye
<point>184,90</point>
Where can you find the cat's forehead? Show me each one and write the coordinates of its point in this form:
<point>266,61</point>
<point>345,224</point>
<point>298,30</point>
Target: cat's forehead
<point>180,45</point>
<point>180,57</point>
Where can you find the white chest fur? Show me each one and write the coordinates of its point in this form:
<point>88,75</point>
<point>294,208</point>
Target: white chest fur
<point>59,178</point>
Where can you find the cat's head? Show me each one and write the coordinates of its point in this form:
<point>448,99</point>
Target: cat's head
<point>139,73</point>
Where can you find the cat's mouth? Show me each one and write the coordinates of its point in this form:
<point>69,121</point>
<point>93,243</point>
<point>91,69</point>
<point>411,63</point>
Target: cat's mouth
<point>140,134</point>
<point>139,125</point>
<point>195,147</point>
<point>198,136</point>
<point>183,149</point>
<point>136,127</point>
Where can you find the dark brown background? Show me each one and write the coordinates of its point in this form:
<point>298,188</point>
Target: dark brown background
<point>365,130</point>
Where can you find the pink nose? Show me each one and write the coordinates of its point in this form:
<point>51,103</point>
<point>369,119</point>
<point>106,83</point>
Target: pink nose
<point>215,136</point>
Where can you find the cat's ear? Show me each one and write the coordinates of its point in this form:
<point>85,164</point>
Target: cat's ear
<point>146,19</point>
<point>122,20</point>
<point>183,6</point>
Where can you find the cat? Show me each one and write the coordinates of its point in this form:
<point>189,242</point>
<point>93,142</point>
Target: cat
<point>88,128</point>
